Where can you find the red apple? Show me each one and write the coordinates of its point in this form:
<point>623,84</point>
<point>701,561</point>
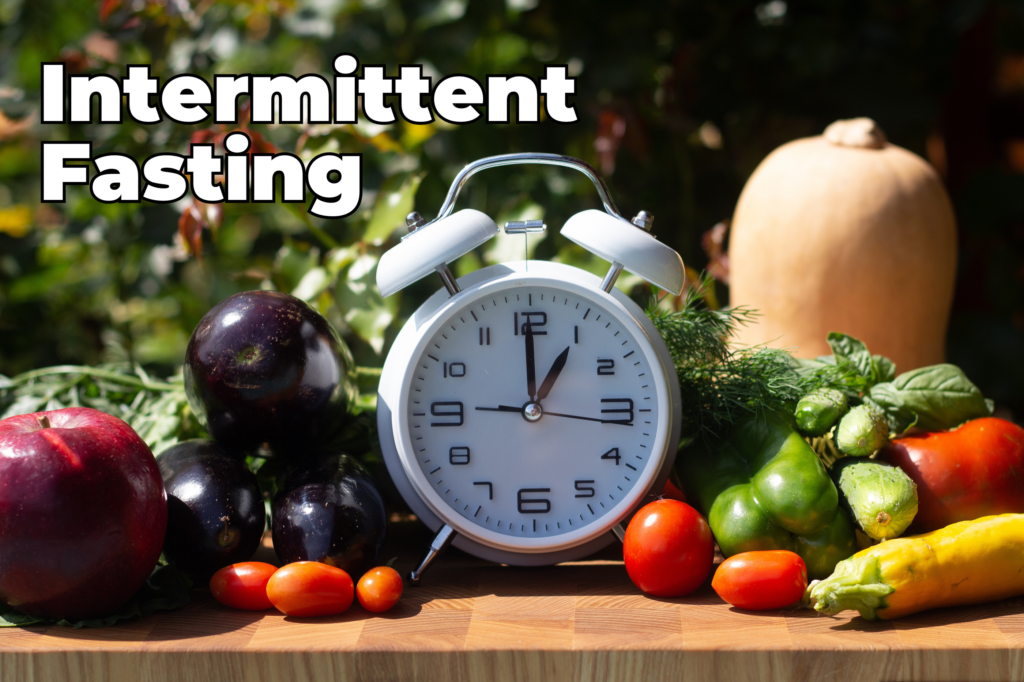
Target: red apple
<point>82,513</point>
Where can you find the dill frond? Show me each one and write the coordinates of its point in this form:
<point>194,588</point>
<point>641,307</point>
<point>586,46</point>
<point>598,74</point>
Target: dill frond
<point>720,385</point>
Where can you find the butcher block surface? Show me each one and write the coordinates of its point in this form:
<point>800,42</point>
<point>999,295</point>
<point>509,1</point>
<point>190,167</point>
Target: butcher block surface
<point>471,620</point>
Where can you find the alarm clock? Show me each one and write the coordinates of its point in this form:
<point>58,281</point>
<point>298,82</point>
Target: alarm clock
<point>528,408</point>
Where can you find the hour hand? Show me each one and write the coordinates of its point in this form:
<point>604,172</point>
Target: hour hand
<point>502,408</point>
<point>531,370</point>
<point>556,369</point>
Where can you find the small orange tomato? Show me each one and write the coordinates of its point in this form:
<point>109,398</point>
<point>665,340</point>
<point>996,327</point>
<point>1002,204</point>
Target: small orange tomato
<point>379,589</point>
<point>758,581</point>
<point>243,586</point>
<point>309,588</point>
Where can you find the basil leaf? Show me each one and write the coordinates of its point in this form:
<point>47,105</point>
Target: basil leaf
<point>900,420</point>
<point>939,396</point>
<point>884,367</point>
<point>849,350</point>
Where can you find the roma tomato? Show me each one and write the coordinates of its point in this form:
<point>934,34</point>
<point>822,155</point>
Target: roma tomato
<point>379,589</point>
<point>758,581</point>
<point>243,586</point>
<point>310,588</point>
<point>668,549</point>
<point>973,471</point>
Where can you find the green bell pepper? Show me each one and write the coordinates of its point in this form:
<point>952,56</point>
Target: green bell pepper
<point>821,551</point>
<point>761,487</point>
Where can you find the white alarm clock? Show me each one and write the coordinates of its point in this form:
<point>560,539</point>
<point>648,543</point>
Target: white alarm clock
<point>528,408</point>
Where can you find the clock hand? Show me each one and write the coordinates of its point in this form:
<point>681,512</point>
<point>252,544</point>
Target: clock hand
<point>519,410</point>
<point>621,422</point>
<point>531,370</point>
<point>556,369</point>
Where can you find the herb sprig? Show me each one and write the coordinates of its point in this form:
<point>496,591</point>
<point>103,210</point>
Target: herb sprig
<point>719,384</point>
<point>156,409</point>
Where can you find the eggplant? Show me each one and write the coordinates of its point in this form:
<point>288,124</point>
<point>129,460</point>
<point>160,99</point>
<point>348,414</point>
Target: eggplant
<point>329,511</point>
<point>215,511</point>
<point>264,369</point>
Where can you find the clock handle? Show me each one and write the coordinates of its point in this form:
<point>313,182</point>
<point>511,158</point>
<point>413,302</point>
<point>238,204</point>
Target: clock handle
<point>536,158</point>
<point>440,543</point>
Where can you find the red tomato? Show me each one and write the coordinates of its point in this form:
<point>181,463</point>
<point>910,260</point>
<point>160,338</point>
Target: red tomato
<point>243,586</point>
<point>379,589</point>
<point>310,588</point>
<point>973,471</point>
<point>668,549</point>
<point>758,581</point>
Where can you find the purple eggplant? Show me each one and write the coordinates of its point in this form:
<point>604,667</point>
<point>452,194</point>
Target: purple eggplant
<point>264,369</point>
<point>330,511</point>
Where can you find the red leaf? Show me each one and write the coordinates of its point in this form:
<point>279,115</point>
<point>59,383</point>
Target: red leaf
<point>260,145</point>
<point>713,242</point>
<point>202,136</point>
<point>190,227</point>
<point>611,127</point>
<point>107,8</point>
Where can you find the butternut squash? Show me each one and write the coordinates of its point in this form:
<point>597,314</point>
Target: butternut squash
<point>845,232</point>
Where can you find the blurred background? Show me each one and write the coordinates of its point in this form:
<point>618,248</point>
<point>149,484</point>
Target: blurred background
<point>678,101</point>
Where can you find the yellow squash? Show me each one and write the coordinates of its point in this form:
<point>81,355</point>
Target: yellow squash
<point>970,562</point>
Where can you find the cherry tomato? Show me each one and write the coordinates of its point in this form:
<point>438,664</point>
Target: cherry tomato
<point>668,549</point>
<point>243,586</point>
<point>310,588</point>
<point>758,581</point>
<point>379,589</point>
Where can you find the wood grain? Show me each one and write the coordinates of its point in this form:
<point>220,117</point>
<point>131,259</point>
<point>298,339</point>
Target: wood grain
<point>477,621</point>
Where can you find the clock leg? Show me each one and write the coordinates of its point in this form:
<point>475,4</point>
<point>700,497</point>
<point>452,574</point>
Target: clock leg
<point>441,541</point>
<point>619,531</point>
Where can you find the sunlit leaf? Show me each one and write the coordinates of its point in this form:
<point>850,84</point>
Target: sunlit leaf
<point>394,201</point>
<point>312,284</point>
<point>363,308</point>
<point>292,263</point>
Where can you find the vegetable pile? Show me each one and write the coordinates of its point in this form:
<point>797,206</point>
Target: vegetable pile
<point>244,382</point>
<point>790,466</point>
<point>812,458</point>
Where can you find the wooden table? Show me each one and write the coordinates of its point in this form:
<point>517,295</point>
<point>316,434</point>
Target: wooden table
<point>476,621</point>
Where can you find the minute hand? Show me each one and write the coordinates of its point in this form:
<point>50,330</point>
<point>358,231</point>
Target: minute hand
<point>620,422</point>
<point>519,410</point>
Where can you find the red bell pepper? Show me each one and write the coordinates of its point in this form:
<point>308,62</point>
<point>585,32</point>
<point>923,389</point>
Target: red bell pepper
<point>972,471</point>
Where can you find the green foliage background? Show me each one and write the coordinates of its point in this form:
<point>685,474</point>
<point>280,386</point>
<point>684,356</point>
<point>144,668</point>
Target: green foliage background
<point>678,102</point>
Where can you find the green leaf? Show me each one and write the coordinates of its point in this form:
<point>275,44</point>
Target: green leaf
<point>363,308</point>
<point>166,589</point>
<point>938,397</point>
<point>292,263</point>
<point>10,618</point>
<point>394,201</point>
<point>885,368</point>
<point>312,284</point>
<point>848,349</point>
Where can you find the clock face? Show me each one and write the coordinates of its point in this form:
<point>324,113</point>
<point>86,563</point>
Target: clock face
<point>532,412</point>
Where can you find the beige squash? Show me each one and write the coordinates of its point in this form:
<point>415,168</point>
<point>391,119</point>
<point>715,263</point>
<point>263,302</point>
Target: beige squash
<point>845,232</point>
